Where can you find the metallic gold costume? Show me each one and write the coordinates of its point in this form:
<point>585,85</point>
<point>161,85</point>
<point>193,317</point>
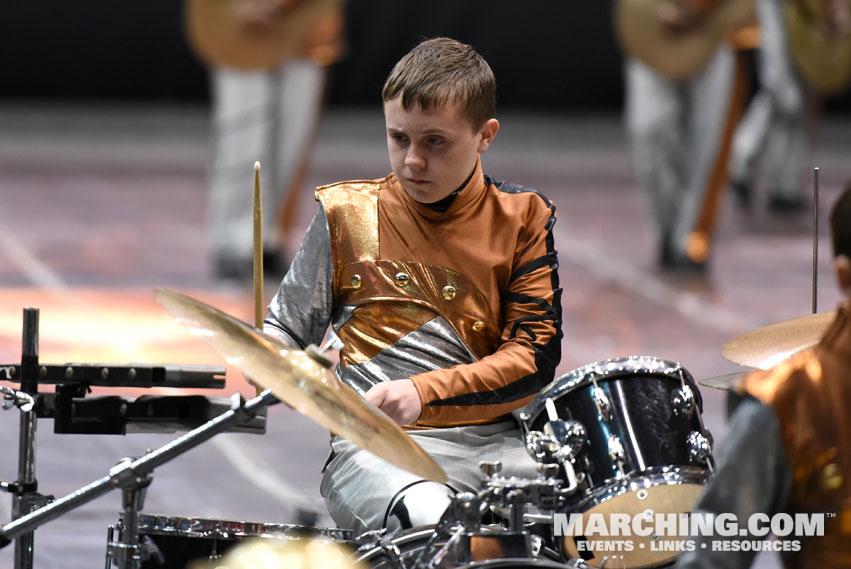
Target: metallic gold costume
<point>789,451</point>
<point>811,398</point>
<point>465,302</point>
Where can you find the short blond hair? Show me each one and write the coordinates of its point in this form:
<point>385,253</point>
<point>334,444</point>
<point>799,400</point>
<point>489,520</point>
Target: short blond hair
<point>443,69</point>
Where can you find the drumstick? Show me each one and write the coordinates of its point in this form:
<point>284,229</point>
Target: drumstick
<point>258,253</point>
<point>258,250</point>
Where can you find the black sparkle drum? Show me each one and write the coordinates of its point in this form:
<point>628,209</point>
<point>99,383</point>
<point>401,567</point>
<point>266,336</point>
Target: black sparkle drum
<point>173,542</point>
<point>632,432</point>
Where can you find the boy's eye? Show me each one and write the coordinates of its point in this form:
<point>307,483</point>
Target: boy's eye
<point>434,141</point>
<point>399,137</point>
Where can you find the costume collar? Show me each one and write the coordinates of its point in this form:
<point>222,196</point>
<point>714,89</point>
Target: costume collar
<point>470,192</point>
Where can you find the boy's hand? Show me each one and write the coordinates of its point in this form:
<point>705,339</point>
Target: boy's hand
<point>399,399</point>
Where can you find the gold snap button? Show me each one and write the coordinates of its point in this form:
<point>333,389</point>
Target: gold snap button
<point>356,281</point>
<point>449,292</point>
<point>478,326</point>
<point>831,477</point>
<point>402,279</point>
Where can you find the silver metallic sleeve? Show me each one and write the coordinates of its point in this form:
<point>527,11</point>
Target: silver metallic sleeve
<point>300,311</point>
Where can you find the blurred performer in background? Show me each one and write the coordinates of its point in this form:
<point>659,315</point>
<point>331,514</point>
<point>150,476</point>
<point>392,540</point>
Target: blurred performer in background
<point>789,443</point>
<point>779,126</point>
<point>680,79</point>
<point>268,114</point>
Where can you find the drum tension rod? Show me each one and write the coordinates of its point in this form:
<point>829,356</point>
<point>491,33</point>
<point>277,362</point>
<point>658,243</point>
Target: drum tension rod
<point>604,406</point>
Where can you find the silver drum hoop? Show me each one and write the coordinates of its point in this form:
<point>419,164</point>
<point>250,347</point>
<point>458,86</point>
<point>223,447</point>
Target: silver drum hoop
<point>630,366</point>
<point>652,477</point>
<point>154,524</point>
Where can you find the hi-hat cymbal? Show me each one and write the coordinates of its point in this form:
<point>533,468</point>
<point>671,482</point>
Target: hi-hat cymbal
<point>302,382</point>
<point>766,347</point>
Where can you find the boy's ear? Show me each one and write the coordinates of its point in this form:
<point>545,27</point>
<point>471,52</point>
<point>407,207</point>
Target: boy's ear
<point>842,264</point>
<point>487,134</point>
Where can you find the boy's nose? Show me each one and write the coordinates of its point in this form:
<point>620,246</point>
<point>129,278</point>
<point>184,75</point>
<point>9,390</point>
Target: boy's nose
<point>413,159</point>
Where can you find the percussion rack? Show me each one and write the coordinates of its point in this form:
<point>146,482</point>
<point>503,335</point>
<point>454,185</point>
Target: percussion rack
<point>73,413</point>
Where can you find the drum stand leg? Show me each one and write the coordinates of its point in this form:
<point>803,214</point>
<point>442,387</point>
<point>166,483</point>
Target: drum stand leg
<point>127,552</point>
<point>25,495</point>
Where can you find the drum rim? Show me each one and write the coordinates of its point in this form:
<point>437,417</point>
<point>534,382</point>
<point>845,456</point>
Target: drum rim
<point>670,475</point>
<point>613,487</point>
<point>606,370</point>
<point>190,526</point>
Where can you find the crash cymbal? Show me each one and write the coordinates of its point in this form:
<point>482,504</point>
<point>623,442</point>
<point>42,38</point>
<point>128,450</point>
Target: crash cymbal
<point>727,381</point>
<point>302,382</point>
<point>765,347</point>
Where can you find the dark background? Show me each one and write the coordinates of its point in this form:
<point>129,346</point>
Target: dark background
<point>546,54</point>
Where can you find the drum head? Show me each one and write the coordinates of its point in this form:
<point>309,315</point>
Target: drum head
<point>646,551</point>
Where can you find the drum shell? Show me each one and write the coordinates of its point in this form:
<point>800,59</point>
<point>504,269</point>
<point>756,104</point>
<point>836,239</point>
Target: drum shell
<point>653,429</point>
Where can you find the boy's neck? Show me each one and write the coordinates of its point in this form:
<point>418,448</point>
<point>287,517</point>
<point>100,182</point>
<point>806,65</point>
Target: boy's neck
<point>441,205</point>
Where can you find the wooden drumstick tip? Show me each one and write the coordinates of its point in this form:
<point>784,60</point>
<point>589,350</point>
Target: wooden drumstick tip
<point>257,166</point>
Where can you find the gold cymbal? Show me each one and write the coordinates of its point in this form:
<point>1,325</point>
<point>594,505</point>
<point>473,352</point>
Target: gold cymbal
<point>727,381</point>
<point>765,347</point>
<point>302,382</point>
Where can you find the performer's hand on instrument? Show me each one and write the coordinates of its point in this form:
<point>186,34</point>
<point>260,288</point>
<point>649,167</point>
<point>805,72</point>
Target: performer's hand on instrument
<point>399,399</point>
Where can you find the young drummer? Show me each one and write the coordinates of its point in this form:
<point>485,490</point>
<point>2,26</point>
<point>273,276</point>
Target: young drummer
<point>442,284</point>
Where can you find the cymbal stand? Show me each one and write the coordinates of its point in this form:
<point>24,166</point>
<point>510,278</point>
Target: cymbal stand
<point>127,552</point>
<point>132,476</point>
<point>25,496</point>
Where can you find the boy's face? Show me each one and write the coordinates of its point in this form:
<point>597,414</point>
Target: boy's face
<point>432,152</point>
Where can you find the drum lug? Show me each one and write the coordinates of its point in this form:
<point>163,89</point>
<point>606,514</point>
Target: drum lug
<point>570,435</point>
<point>617,453</point>
<point>604,406</point>
<point>700,447</point>
<point>683,401</point>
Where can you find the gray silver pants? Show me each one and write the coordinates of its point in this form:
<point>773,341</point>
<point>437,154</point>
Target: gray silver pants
<point>269,116</point>
<point>776,130</point>
<point>363,492</point>
<point>675,130</point>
